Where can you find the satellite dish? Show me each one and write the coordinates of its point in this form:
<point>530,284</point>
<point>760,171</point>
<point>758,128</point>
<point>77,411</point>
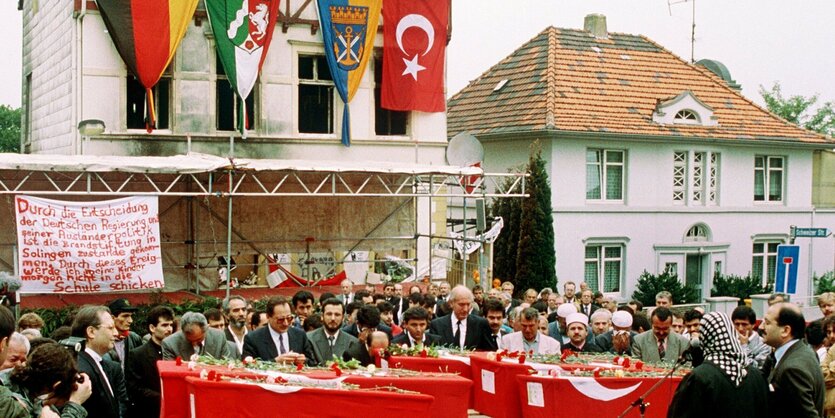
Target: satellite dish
<point>464,150</point>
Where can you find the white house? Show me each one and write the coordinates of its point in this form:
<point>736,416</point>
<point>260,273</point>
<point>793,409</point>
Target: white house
<point>655,163</point>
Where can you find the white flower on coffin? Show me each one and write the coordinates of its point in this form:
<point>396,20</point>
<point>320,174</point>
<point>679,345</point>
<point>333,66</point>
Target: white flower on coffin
<point>192,365</point>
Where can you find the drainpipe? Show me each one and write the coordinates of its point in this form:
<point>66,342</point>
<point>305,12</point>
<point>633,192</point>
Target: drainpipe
<point>78,61</point>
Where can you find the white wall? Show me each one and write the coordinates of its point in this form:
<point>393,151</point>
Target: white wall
<point>648,219</point>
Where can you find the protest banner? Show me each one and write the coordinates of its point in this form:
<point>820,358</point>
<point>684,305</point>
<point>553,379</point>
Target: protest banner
<point>88,247</point>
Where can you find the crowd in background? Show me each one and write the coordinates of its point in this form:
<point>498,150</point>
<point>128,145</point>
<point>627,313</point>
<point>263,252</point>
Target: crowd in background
<point>763,361</point>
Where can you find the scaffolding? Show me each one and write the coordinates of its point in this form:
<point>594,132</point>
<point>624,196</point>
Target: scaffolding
<point>199,178</point>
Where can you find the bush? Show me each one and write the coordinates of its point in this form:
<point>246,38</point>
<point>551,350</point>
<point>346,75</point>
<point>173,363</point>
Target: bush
<point>649,285</point>
<point>738,286</point>
<point>824,283</point>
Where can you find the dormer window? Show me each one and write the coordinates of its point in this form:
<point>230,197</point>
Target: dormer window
<point>687,116</point>
<point>684,109</point>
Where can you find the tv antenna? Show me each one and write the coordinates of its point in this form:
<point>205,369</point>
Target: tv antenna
<point>670,3</point>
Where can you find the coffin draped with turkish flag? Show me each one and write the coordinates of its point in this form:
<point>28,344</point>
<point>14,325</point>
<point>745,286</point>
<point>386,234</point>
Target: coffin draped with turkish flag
<point>415,36</point>
<point>146,33</point>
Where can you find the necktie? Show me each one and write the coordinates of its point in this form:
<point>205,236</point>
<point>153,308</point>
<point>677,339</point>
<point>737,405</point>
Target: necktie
<point>457,335</point>
<point>281,349</point>
<point>498,341</point>
<point>329,351</point>
<point>661,350</point>
<point>104,377</point>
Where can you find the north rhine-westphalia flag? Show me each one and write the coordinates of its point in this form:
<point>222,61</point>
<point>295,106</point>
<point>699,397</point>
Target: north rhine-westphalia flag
<point>414,46</point>
<point>243,30</point>
<point>146,33</point>
<point>348,31</point>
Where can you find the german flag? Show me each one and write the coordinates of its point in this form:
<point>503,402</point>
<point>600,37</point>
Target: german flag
<point>146,33</point>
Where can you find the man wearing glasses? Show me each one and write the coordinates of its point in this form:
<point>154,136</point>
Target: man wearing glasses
<point>279,341</point>
<point>109,397</point>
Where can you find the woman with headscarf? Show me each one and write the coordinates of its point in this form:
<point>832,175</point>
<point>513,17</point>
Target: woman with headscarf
<point>721,386</point>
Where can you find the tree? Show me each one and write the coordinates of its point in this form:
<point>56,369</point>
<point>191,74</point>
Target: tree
<point>535,256</point>
<point>9,129</point>
<point>649,285</point>
<point>505,246</point>
<point>800,110</point>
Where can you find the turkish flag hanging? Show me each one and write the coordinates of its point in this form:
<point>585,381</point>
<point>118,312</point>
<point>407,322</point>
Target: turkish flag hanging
<point>415,35</point>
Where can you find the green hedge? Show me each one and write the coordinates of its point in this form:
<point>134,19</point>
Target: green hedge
<point>650,284</point>
<point>56,317</point>
<point>738,286</point>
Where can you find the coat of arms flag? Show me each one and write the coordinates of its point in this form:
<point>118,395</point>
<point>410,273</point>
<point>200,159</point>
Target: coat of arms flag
<point>243,30</point>
<point>348,31</point>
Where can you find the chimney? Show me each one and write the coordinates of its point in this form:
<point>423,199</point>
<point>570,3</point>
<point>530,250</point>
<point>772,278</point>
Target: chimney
<point>596,24</point>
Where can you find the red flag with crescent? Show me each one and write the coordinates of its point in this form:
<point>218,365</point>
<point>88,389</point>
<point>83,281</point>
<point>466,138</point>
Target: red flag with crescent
<point>414,47</point>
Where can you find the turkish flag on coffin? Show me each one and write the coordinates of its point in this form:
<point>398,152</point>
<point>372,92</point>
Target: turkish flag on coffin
<point>415,35</point>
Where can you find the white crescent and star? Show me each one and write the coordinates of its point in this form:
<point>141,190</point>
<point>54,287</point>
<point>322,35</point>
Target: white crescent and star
<point>422,23</point>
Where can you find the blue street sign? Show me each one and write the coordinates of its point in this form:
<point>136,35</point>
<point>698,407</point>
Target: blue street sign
<point>811,232</point>
<point>788,257</point>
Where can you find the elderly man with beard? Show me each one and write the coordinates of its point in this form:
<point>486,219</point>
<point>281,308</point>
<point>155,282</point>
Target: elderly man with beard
<point>235,311</point>
<point>722,386</point>
<point>329,341</point>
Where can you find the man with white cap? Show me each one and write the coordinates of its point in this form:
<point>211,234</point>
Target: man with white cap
<point>556,328</point>
<point>619,339</point>
<point>578,333</point>
<point>529,339</point>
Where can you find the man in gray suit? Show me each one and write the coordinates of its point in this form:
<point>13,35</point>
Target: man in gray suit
<point>659,344</point>
<point>795,379</point>
<point>195,337</point>
<point>328,341</point>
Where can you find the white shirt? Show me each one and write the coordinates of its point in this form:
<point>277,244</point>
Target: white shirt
<point>239,343</point>
<point>97,359</point>
<point>462,329</point>
<point>284,338</point>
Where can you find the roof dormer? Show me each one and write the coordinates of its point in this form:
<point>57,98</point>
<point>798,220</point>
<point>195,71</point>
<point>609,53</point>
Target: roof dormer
<point>684,109</point>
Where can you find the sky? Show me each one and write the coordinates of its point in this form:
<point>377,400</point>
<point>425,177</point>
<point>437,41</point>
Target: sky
<point>760,41</point>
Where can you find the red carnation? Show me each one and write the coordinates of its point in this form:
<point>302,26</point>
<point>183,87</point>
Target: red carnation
<point>179,361</point>
<point>423,353</point>
<point>522,358</point>
<point>639,365</point>
<point>596,373</point>
<point>212,375</point>
<point>626,363</point>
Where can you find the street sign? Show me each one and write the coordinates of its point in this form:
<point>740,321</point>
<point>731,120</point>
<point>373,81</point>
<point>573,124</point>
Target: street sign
<point>788,258</point>
<point>811,232</point>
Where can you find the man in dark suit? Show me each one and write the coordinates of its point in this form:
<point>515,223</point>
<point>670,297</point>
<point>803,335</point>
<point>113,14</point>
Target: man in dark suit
<point>109,398</point>
<point>195,337</point>
<point>141,370</point>
<point>493,311</point>
<point>460,329</point>
<point>329,341</point>
<point>586,306</point>
<point>126,340</point>
<point>356,328</point>
<point>415,322</point>
<point>279,341</point>
<point>795,380</point>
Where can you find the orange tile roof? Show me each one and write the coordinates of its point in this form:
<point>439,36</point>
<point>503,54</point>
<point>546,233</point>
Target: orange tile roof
<point>568,80</point>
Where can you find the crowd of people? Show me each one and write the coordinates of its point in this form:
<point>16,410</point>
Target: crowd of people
<point>100,367</point>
